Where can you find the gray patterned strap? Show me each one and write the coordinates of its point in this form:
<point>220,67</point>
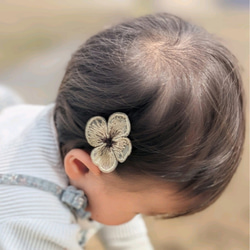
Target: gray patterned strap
<point>72,197</point>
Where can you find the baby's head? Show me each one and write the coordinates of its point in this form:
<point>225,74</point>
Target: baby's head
<point>182,93</point>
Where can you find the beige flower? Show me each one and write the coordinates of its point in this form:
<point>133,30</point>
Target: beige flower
<point>110,141</point>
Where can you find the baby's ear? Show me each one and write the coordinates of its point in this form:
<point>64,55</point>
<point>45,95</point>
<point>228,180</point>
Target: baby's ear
<point>77,163</point>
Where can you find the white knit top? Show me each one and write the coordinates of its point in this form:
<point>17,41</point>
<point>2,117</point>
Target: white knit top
<point>34,219</point>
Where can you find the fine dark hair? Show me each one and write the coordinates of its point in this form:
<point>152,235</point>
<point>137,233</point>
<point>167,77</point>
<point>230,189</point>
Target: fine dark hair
<point>182,91</point>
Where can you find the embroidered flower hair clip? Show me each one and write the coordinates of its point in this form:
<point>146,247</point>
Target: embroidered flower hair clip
<point>109,140</point>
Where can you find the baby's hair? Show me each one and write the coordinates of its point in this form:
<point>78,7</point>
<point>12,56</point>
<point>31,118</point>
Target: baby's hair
<point>182,92</point>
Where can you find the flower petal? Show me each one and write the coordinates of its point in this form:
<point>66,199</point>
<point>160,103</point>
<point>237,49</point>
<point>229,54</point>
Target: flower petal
<point>104,158</point>
<point>122,149</point>
<point>118,125</point>
<point>96,131</point>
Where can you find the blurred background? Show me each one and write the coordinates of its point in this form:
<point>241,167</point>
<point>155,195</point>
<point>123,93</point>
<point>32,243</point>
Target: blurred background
<point>37,39</point>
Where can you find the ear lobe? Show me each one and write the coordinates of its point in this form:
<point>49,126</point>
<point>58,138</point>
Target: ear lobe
<point>77,163</point>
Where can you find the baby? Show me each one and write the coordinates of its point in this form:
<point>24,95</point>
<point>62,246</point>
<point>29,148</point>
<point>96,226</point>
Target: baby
<point>149,119</point>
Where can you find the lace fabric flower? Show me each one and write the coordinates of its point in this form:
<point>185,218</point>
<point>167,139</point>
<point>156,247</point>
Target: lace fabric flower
<point>109,140</point>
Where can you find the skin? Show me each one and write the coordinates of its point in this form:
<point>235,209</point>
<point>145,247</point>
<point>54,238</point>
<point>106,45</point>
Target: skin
<point>112,200</point>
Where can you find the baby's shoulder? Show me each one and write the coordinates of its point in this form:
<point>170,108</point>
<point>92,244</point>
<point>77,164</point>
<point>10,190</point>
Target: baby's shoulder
<point>14,119</point>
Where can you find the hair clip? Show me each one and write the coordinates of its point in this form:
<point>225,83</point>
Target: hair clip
<point>110,141</point>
